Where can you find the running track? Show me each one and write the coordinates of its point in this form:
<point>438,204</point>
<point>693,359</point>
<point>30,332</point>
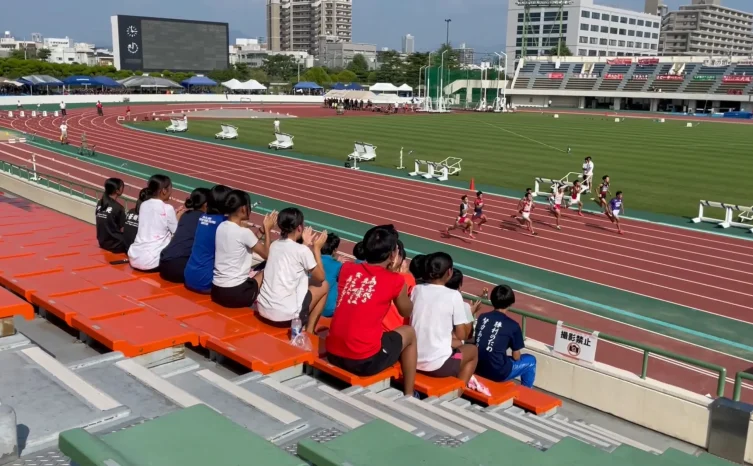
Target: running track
<point>660,262</point>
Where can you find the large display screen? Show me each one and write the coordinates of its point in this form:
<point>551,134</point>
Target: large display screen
<point>157,44</point>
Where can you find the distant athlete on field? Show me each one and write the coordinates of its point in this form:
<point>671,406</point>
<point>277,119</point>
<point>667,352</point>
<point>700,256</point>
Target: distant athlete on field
<point>478,210</point>
<point>574,198</point>
<point>462,221</point>
<point>616,208</point>
<point>603,192</point>
<point>525,207</point>
<point>555,199</point>
<point>588,173</point>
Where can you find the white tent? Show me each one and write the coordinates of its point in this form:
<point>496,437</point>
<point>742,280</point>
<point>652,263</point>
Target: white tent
<point>383,87</point>
<point>232,84</point>
<point>250,85</point>
<point>405,88</point>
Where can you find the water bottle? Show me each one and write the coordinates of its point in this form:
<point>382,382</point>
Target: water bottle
<point>295,327</point>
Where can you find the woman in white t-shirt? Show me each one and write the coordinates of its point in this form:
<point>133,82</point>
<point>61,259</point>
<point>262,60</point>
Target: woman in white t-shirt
<point>287,291</point>
<point>157,224</point>
<point>234,242</point>
<point>438,315</point>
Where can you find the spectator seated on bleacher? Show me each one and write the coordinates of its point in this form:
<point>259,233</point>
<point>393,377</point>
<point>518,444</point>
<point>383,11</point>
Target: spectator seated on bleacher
<point>294,281</point>
<point>111,217</point>
<point>438,315</point>
<point>232,285</point>
<point>394,319</point>
<point>357,342</point>
<point>199,270</point>
<point>131,227</point>
<point>358,252</point>
<point>456,283</point>
<point>173,259</point>
<point>332,268</point>
<point>157,224</point>
<point>496,332</point>
<point>416,268</point>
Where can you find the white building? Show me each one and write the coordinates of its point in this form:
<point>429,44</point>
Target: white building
<point>705,27</point>
<point>339,55</point>
<point>253,52</point>
<point>588,30</point>
<point>8,43</point>
<point>409,44</point>
<point>302,25</point>
<point>66,51</point>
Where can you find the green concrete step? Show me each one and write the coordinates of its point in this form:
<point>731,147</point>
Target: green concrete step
<point>196,436</point>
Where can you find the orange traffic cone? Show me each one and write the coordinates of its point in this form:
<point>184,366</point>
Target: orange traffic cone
<point>473,185</point>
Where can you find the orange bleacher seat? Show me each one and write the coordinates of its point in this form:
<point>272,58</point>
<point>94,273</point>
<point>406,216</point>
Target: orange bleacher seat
<point>75,261</point>
<point>155,280</point>
<point>175,307</point>
<point>436,386</point>
<point>137,290</point>
<point>321,363</point>
<point>253,321</point>
<point>136,333</point>
<point>24,266</point>
<point>11,305</point>
<point>105,276</point>
<point>501,392</point>
<point>535,401</point>
<point>232,313</point>
<point>261,352</point>
<point>101,303</point>
<point>106,256</point>
<point>50,283</point>
<point>216,326</point>
<point>192,296</point>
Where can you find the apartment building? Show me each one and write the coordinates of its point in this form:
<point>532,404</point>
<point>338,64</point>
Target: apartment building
<point>302,25</point>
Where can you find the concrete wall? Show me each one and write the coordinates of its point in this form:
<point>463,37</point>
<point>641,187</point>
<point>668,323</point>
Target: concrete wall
<point>627,95</point>
<point>160,98</point>
<point>64,203</point>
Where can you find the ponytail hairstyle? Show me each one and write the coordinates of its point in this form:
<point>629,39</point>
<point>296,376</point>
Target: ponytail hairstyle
<point>288,221</point>
<point>417,267</point>
<point>358,252</point>
<point>143,196</point>
<point>112,186</point>
<point>216,201</point>
<point>157,184</point>
<point>197,199</point>
<point>437,265</point>
<point>235,200</point>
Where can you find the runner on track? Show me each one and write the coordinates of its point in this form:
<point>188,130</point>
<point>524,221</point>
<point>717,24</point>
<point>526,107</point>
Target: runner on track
<point>616,208</point>
<point>603,192</point>
<point>128,112</point>
<point>478,210</point>
<point>525,207</point>
<point>555,200</point>
<point>63,132</point>
<point>528,191</point>
<point>463,221</point>
<point>574,198</point>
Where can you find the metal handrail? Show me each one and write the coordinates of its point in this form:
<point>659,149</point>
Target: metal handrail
<point>739,384</point>
<point>62,185</point>
<point>647,349</point>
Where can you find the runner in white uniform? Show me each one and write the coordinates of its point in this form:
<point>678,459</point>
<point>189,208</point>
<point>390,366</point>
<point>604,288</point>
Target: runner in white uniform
<point>525,207</point>
<point>63,133</point>
<point>555,199</point>
<point>574,198</point>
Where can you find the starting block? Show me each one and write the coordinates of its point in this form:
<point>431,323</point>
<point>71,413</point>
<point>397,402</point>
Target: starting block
<point>363,152</point>
<point>282,141</point>
<point>44,113</point>
<point>21,114</point>
<point>10,114</point>
<point>33,113</point>
<point>121,118</point>
<point>745,213</point>
<point>56,114</point>
<point>228,132</point>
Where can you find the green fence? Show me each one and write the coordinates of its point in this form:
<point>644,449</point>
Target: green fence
<point>646,349</point>
<point>56,183</point>
<point>739,384</point>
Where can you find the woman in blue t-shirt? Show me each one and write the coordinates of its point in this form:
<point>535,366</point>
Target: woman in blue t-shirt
<point>200,267</point>
<point>174,257</point>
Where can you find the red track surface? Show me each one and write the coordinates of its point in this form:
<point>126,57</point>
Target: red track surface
<point>657,261</point>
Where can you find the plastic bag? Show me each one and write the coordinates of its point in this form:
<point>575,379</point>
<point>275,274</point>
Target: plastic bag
<point>302,341</point>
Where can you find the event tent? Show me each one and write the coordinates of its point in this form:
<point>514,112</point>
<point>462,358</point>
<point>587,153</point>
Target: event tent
<point>353,87</point>
<point>339,87</point>
<point>198,81</point>
<point>41,80</point>
<point>232,84</point>
<point>250,85</point>
<point>107,82</point>
<point>405,88</point>
<point>383,87</point>
<point>307,85</point>
<point>148,82</point>
<point>9,82</point>
<point>99,81</point>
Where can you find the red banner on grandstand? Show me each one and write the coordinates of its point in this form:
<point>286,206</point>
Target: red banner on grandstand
<point>737,79</point>
<point>556,75</point>
<point>614,76</point>
<point>620,61</point>
<point>648,61</point>
<point>670,77</point>
<point>639,77</point>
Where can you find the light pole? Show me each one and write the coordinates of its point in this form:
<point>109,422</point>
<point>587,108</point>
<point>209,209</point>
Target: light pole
<point>441,82</point>
<point>427,92</point>
<point>447,41</point>
<point>419,81</point>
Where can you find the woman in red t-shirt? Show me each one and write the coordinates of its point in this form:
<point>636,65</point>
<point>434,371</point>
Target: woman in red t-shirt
<point>356,341</point>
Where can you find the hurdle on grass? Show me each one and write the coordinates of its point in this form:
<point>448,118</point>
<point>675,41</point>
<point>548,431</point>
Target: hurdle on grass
<point>744,213</point>
<point>401,167</point>
<point>441,171</point>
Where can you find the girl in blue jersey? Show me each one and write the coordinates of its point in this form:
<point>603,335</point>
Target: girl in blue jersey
<point>616,208</point>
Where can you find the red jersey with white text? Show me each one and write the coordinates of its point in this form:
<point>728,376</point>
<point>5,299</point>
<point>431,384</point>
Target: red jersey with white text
<point>365,293</point>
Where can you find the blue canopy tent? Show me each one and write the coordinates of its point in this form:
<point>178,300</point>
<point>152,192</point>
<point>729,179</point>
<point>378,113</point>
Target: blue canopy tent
<point>40,81</point>
<point>107,82</point>
<point>81,81</point>
<point>339,87</point>
<point>354,87</point>
<point>197,81</point>
<point>307,87</point>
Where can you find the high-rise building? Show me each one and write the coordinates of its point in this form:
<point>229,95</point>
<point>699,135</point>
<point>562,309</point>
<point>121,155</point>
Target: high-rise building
<point>588,30</point>
<point>705,27</point>
<point>301,25</point>
<point>409,45</point>
<point>465,55</point>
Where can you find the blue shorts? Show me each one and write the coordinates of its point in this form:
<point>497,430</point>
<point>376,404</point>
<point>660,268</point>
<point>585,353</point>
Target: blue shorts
<point>478,213</point>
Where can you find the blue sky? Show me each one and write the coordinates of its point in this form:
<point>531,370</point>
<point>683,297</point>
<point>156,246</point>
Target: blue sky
<point>480,23</point>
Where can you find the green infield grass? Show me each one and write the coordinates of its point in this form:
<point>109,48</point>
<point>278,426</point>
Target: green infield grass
<point>661,167</point>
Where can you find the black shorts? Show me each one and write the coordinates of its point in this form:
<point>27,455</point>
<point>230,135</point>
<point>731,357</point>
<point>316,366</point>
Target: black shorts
<point>172,270</point>
<point>387,356</point>
<point>450,368</point>
<point>243,295</point>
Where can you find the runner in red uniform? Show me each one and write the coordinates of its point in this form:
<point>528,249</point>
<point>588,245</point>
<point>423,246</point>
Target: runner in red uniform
<point>603,192</point>
<point>525,207</point>
<point>478,210</point>
<point>128,112</point>
<point>574,199</point>
<point>463,221</point>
